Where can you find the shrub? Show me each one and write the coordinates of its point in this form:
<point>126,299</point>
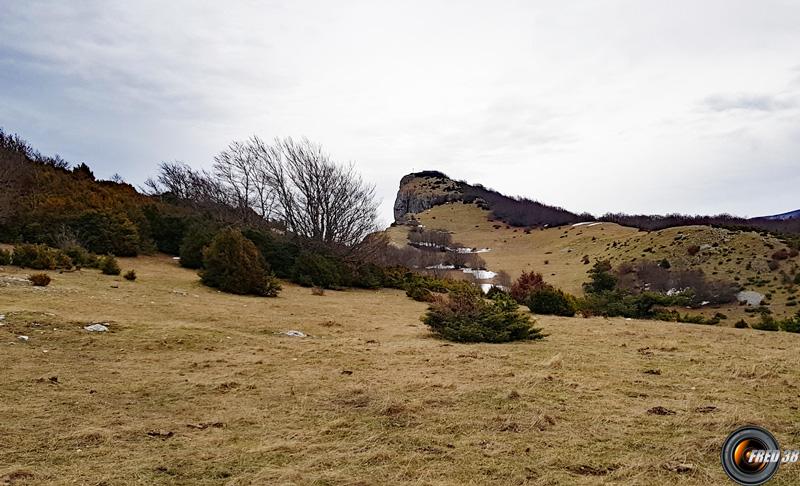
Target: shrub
<point>195,241</point>
<point>695,319</point>
<point>525,285</point>
<point>791,324</point>
<point>767,323</point>
<point>40,279</point>
<point>665,264</point>
<point>368,276</point>
<point>130,275</point>
<point>741,324</point>
<point>641,306</point>
<point>797,279</point>
<point>39,257</point>
<point>312,269</point>
<point>106,232</point>
<point>80,256</point>
<point>232,263</point>
<point>773,265</point>
<point>693,250</point>
<point>495,290</point>
<point>601,279</point>
<point>468,317</point>
<point>420,294</point>
<point>278,250</point>
<point>108,265</point>
<point>5,257</point>
<point>551,301</point>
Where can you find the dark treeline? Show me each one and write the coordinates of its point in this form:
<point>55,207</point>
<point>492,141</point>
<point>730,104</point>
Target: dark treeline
<point>521,211</point>
<point>657,222</point>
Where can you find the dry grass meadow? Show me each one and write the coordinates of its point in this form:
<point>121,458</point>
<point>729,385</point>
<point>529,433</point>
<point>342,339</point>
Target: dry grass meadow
<point>196,387</point>
<point>557,253</point>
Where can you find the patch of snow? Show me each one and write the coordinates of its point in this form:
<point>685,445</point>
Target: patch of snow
<point>468,250</point>
<point>441,266</point>
<point>750,296</point>
<point>295,334</point>
<point>480,274</point>
<point>705,302</point>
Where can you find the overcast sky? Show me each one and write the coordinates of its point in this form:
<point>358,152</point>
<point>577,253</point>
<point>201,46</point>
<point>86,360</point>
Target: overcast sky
<point>597,105</point>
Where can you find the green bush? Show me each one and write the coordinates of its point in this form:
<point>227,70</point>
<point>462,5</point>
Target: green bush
<point>80,256</point>
<point>494,291</point>
<point>165,229</point>
<point>232,263</point>
<point>468,317</point>
<point>130,275</point>
<point>278,250</point>
<point>741,324</point>
<point>601,278</point>
<point>368,276</point>
<point>195,240</point>
<point>39,257</point>
<point>40,279</point>
<point>420,294</point>
<point>797,279</point>
<point>792,324</point>
<point>5,257</point>
<point>105,232</point>
<point>639,306</point>
<point>313,269</point>
<point>767,323</point>
<point>551,301</point>
<point>108,265</point>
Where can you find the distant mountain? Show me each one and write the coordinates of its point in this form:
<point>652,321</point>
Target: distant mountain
<point>784,216</point>
<point>421,191</point>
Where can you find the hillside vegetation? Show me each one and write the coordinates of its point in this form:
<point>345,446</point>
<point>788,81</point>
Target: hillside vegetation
<point>560,253</point>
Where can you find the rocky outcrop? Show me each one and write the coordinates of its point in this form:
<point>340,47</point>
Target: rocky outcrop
<point>424,190</point>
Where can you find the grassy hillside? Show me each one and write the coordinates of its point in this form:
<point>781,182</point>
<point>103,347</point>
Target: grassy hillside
<point>558,253</point>
<point>192,386</point>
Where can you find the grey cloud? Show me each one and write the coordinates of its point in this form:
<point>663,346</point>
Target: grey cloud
<point>748,102</point>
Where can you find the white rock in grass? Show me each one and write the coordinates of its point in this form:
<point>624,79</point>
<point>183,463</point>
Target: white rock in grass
<point>24,339</point>
<point>96,328</point>
<point>295,334</point>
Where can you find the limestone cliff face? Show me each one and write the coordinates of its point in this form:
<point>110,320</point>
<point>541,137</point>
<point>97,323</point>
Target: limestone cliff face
<point>423,190</point>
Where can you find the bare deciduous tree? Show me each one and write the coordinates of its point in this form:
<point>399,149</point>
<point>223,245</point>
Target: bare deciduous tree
<point>295,183</point>
<point>316,197</point>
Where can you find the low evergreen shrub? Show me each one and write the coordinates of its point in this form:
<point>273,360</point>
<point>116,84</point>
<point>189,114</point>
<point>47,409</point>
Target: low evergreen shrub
<point>108,265</point>
<point>232,263</point>
<point>468,317</point>
<point>552,301</point>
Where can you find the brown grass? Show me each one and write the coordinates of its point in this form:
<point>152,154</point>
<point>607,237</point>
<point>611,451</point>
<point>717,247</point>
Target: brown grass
<point>195,387</point>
